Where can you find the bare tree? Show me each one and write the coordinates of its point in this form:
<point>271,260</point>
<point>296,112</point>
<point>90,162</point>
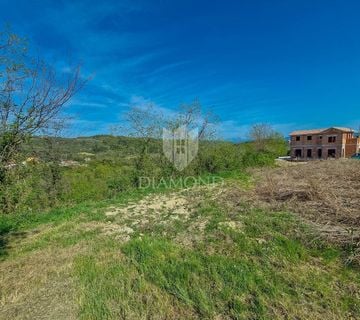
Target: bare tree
<point>32,94</point>
<point>261,133</point>
<point>192,117</point>
<point>144,122</point>
<point>147,123</point>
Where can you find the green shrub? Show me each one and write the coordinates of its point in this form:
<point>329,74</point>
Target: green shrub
<point>40,186</point>
<point>257,159</point>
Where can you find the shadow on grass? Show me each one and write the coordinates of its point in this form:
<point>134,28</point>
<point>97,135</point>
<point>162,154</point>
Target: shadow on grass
<point>7,232</point>
<point>4,232</point>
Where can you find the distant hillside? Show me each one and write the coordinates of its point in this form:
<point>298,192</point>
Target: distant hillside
<point>101,146</point>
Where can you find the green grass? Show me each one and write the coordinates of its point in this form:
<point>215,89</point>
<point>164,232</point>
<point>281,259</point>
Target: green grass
<point>218,263</point>
<point>230,274</point>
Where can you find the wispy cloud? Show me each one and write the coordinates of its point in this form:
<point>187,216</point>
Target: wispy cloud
<point>166,54</point>
<point>141,102</point>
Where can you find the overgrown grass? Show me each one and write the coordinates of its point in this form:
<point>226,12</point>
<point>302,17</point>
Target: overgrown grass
<point>214,263</point>
<point>17,223</point>
<point>265,270</point>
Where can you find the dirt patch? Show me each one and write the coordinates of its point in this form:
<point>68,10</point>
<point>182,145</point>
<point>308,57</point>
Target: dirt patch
<point>193,234</point>
<point>119,232</point>
<point>160,210</point>
<point>233,225</point>
<point>153,209</point>
<point>153,205</point>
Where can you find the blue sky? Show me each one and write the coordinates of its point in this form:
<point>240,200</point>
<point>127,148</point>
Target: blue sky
<point>293,64</point>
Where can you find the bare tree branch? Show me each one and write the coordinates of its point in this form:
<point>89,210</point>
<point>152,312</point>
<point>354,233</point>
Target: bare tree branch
<point>32,94</point>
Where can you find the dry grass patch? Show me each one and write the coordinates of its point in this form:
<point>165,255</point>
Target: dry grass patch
<point>153,207</point>
<point>39,285</point>
<point>118,232</point>
<point>325,194</point>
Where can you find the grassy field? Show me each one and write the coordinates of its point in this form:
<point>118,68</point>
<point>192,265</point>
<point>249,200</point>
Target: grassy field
<point>207,252</point>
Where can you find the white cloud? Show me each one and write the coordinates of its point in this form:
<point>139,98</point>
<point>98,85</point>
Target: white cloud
<point>90,104</point>
<point>141,102</point>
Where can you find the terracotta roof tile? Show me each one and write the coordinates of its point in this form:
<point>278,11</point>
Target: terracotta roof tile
<point>344,129</point>
<point>302,132</point>
<point>317,131</point>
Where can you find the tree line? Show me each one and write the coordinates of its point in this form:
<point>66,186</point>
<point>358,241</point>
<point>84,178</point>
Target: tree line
<point>33,95</point>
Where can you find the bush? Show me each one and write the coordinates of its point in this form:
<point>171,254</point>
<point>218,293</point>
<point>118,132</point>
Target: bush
<point>28,188</point>
<point>257,159</point>
<point>40,186</point>
<point>218,157</point>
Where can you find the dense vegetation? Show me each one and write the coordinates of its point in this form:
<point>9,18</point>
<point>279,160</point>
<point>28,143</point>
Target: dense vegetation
<point>60,171</point>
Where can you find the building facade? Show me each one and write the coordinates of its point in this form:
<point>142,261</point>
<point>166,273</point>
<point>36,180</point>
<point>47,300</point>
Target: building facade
<point>328,143</point>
